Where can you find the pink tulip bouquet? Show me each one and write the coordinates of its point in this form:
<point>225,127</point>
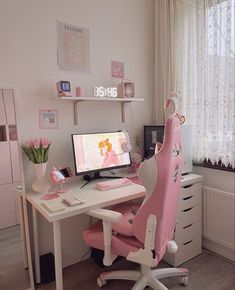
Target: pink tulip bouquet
<point>37,150</point>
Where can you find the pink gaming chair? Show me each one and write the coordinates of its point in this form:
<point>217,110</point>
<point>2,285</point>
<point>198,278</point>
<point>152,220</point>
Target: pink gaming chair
<point>143,234</point>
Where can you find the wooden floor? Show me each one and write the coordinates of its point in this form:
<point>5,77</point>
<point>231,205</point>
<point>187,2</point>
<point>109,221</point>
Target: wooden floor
<point>207,272</point>
<point>13,276</point>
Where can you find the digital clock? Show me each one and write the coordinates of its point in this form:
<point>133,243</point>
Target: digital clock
<point>110,92</point>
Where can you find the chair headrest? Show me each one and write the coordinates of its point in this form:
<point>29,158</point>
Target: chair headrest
<point>170,108</point>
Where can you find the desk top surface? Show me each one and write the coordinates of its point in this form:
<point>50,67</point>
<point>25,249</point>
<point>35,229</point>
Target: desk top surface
<point>92,197</point>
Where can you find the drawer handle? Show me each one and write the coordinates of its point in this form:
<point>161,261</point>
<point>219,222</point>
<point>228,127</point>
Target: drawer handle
<point>188,226</point>
<point>187,186</point>
<point>187,209</point>
<point>188,197</point>
<point>188,242</point>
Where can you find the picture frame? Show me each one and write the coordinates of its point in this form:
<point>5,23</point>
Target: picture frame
<point>117,69</point>
<point>126,89</point>
<point>48,119</point>
<point>73,47</point>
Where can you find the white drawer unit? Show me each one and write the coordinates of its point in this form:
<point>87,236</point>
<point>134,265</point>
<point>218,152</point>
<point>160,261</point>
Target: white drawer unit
<point>188,232</point>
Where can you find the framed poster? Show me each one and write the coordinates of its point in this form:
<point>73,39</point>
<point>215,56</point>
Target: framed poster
<point>48,119</point>
<point>73,47</point>
<point>117,69</point>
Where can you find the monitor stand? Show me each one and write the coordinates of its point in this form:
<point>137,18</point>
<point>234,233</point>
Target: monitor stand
<point>96,175</point>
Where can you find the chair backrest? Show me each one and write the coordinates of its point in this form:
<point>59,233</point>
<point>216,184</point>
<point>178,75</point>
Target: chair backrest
<point>161,175</point>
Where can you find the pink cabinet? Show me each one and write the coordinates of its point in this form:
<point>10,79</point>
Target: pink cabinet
<point>7,206</point>
<point>5,163</point>
<point>9,160</point>
<point>2,110</point>
<point>15,161</point>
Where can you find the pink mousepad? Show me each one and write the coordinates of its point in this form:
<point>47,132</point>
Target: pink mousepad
<point>50,195</point>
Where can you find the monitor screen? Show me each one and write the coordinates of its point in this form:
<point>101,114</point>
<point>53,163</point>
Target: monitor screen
<point>65,86</point>
<point>99,151</point>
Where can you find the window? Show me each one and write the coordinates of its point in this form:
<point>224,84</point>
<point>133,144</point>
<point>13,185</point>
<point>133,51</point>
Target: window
<point>204,65</point>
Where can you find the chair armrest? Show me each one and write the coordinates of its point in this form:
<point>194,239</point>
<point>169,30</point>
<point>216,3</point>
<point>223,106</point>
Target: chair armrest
<point>105,214</point>
<point>145,255</point>
<point>108,217</point>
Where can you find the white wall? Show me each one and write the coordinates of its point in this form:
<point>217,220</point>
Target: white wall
<point>224,181</point>
<point>119,30</point>
<point>220,179</point>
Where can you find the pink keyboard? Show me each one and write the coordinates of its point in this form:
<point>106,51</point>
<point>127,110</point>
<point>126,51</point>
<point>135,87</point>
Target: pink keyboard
<point>109,184</point>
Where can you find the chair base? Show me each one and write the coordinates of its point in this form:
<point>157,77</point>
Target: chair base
<point>145,277</point>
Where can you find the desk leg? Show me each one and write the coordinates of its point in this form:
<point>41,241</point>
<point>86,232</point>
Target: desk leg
<point>58,255</point>
<point>36,247</point>
<point>27,238</point>
<point>22,231</point>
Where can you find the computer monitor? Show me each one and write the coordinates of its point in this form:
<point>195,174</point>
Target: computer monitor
<point>97,152</point>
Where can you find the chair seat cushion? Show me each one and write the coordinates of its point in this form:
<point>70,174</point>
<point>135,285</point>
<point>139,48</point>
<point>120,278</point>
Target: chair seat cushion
<point>121,245</point>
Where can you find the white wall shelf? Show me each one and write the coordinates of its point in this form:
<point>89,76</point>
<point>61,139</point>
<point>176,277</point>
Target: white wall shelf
<point>77,100</point>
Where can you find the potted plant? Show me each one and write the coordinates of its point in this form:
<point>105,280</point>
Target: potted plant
<point>37,151</point>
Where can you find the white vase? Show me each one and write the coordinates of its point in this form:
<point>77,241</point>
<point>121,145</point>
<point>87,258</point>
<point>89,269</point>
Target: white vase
<point>40,184</point>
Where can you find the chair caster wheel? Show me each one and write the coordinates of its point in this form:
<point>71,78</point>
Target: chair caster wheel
<point>101,283</point>
<point>183,280</point>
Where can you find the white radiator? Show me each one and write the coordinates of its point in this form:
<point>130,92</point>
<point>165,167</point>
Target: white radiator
<point>219,217</point>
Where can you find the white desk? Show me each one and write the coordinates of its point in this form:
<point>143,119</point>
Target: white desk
<point>93,199</point>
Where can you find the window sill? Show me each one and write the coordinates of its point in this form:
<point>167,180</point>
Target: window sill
<point>214,166</point>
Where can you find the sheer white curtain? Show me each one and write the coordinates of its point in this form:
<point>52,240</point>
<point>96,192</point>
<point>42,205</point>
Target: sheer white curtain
<point>164,55</point>
<point>204,71</point>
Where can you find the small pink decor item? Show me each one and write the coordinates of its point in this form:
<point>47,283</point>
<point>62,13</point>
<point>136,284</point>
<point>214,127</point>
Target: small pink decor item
<point>79,92</point>
<point>136,159</point>
<point>60,176</point>
<point>63,89</point>
<point>50,196</point>
<point>126,89</point>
